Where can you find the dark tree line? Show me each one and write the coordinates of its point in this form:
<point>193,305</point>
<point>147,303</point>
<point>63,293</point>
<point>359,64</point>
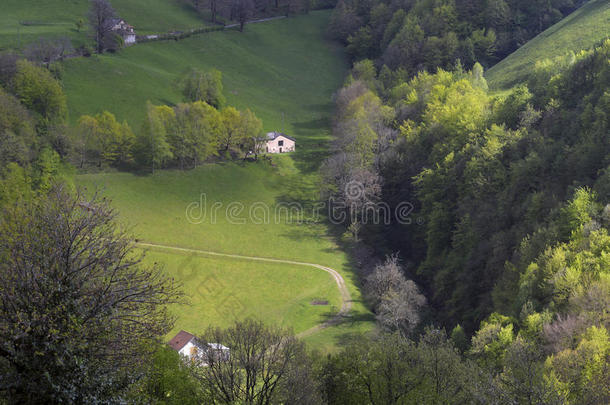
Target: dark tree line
<point>244,10</point>
<point>426,34</point>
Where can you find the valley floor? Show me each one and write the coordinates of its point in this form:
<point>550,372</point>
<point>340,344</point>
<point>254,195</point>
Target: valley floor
<point>291,91</point>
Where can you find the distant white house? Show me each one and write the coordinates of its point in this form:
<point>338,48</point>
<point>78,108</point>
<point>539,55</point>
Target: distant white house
<point>188,346</point>
<point>279,143</point>
<point>126,31</point>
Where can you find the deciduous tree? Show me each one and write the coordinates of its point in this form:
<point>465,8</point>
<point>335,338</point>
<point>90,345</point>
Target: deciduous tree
<point>78,309</point>
<point>101,15</point>
<point>40,92</point>
<point>262,359</point>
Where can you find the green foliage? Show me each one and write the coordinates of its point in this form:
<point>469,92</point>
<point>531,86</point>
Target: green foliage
<point>203,86</point>
<point>105,140</point>
<point>582,372</point>
<point>152,145</point>
<point>492,340</point>
<point>459,339</point>
<point>389,369</point>
<point>512,222</point>
<point>168,380</point>
<point>15,184</point>
<point>509,110</point>
<point>46,170</point>
<point>563,270</point>
<point>425,34</point>
<point>17,135</point>
<point>488,177</point>
<point>192,134</point>
<point>40,92</point>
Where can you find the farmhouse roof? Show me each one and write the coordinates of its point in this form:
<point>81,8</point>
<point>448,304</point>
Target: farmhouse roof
<point>120,22</point>
<point>180,340</point>
<point>272,135</point>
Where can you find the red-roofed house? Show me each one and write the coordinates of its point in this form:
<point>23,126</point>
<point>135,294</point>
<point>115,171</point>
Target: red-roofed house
<point>187,345</point>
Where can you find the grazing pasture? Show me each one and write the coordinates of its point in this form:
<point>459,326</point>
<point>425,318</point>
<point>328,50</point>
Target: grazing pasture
<point>286,72</point>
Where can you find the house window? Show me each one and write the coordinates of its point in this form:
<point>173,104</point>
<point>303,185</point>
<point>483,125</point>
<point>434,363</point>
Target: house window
<point>280,143</point>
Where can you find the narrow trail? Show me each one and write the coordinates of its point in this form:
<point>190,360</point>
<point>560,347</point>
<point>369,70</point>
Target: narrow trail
<point>257,21</point>
<point>346,299</point>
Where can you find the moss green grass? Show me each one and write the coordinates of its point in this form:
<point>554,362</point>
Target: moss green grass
<point>220,290</point>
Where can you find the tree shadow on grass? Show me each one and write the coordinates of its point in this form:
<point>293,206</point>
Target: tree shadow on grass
<point>319,124</point>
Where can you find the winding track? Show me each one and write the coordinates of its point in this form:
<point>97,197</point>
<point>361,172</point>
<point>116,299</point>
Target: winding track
<point>346,299</point>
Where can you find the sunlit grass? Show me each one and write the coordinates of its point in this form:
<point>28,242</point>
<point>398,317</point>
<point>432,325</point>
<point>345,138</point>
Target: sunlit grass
<point>580,30</point>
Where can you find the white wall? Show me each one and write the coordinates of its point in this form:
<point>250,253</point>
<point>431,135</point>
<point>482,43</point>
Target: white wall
<point>187,350</point>
<point>274,147</point>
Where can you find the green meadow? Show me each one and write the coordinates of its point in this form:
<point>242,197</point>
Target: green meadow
<point>220,290</point>
<point>286,72</point>
<point>580,30</point>
<point>283,70</point>
<point>155,207</point>
<point>24,21</point>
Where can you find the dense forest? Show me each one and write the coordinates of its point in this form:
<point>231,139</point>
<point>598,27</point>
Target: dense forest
<point>510,193</point>
<point>411,35</point>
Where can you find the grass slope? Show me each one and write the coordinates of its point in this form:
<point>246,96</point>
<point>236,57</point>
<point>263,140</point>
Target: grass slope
<point>219,290</point>
<point>580,30</point>
<point>53,18</point>
<point>281,68</point>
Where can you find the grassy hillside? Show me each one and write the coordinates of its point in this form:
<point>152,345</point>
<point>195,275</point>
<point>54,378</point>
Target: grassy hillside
<point>286,72</point>
<point>283,70</point>
<point>220,290</point>
<point>156,207</point>
<point>23,21</point>
<point>580,30</point>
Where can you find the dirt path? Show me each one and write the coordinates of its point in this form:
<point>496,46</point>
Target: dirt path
<point>257,21</point>
<point>346,300</point>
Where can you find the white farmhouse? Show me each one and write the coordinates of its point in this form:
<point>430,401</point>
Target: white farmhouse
<point>126,31</point>
<point>279,143</point>
<point>187,345</point>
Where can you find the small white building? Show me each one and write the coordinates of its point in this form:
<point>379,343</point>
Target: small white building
<point>126,31</point>
<point>187,345</point>
<point>279,143</point>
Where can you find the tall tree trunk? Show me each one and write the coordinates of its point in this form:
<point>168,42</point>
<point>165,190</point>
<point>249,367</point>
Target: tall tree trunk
<point>213,10</point>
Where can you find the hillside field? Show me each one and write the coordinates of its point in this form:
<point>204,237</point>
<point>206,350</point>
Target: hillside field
<point>24,21</point>
<point>290,90</point>
<point>283,70</point>
<point>219,290</point>
<point>580,30</point>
